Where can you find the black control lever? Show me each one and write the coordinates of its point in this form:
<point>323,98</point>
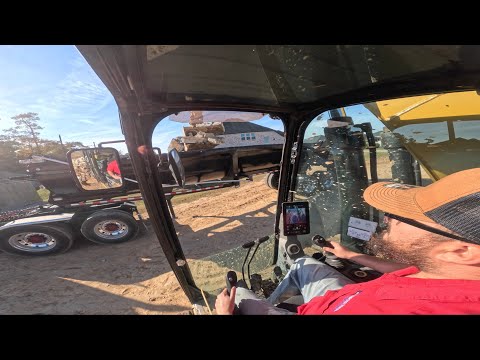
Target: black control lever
<point>258,242</point>
<point>249,247</point>
<point>320,241</point>
<point>231,280</point>
<point>248,244</point>
<point>330,258</point>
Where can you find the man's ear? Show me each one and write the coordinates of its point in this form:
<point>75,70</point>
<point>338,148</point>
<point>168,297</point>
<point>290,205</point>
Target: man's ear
<point>458,252</point>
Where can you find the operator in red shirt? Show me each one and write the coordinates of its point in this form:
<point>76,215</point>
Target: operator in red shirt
<point>431,236</point>
<point>113,170</point>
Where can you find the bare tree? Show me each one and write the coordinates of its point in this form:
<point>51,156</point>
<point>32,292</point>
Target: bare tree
<point>19,142</point>
<point>26,130</point>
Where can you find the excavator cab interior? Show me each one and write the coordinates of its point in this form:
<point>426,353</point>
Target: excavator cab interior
<point>350,116</point>
<point>412,140</point>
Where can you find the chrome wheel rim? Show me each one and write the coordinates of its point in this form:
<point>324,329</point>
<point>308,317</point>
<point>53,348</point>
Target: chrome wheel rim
<point>32,241</point>
<point>111,229</point>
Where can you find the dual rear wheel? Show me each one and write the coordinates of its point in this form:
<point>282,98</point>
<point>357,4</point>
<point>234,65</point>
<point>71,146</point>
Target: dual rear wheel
<point>101,227</point>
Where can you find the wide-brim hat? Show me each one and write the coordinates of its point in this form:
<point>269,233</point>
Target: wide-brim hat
<point>453,202</point>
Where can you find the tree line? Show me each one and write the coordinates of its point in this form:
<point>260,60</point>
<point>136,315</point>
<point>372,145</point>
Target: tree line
<point>24,140</point>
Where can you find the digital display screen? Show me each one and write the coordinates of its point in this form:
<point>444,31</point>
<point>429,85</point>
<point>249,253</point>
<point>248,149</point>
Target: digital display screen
<point>296,219</point>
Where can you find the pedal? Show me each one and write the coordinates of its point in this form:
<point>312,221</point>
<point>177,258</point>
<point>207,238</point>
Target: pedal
<point>277,274</point>
<point>256,284</point>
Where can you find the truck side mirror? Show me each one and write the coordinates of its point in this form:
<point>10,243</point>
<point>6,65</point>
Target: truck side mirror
<point>96,169</point>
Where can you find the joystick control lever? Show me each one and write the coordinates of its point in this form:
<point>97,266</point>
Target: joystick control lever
<point>330,258</point>
<point>231,280</point>
<point>320,241</point>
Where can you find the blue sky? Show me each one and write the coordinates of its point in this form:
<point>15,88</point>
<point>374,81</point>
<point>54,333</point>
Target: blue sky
<point>56,82</point>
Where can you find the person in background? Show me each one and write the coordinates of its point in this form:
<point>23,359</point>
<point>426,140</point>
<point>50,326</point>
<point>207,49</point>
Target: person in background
<point>113,170</point>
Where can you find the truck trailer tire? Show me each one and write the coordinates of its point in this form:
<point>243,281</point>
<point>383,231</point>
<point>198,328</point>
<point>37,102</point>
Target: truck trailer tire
<point>109,227</point>
<point>36,240</point>
<point>271,179</point>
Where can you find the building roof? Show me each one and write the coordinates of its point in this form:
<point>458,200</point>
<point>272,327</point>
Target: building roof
<point>245,127</point>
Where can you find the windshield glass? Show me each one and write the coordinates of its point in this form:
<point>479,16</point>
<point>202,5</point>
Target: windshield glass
<point>231,162</point>
<point>413,140</point>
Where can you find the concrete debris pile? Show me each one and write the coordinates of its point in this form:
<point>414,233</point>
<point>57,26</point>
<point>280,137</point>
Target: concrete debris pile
<point>202,136</point>
<point>82,169</point>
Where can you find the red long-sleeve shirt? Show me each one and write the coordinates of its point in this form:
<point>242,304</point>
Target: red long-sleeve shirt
<point>393,293</point>
<point>113,167</point>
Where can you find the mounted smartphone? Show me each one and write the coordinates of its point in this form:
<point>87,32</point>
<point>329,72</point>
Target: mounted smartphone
<point>296,218</point>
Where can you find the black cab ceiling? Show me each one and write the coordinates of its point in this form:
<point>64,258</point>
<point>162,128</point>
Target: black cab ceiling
<point>285,78</point>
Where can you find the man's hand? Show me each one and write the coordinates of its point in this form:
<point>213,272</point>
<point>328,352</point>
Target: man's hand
<point>225,304</point>
<point>373,262</point>
<point>113,175</point>
<point>340,250</point>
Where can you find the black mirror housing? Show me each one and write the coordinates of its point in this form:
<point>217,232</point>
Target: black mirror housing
<point>96,169</point>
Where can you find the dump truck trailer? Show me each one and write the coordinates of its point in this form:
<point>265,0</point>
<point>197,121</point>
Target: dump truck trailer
<point>110,215</point>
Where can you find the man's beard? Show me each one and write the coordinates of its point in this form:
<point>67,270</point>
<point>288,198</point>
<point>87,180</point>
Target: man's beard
<point>415,254</point>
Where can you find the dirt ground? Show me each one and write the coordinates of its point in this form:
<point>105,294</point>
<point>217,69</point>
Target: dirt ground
<point>134,277</point>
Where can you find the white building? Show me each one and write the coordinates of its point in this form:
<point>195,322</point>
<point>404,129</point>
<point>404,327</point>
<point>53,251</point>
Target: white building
<point>228,134</point>
<point>248,134</point>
